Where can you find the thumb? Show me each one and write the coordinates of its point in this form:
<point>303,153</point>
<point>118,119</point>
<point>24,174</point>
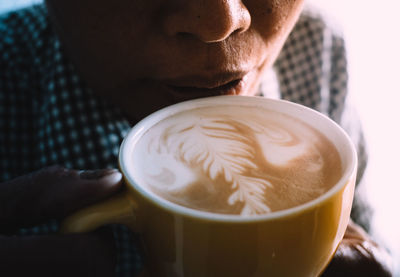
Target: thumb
<point>53,193</point>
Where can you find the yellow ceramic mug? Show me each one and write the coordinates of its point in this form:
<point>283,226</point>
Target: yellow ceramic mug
<point>180,242</point>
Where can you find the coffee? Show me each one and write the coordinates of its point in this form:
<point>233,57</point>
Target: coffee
<point>236,160</point>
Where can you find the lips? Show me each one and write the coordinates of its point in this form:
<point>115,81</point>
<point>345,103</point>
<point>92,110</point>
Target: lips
<point>197,87</point>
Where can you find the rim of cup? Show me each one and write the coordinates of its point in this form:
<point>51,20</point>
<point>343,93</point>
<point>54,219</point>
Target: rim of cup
<point>338,137</point>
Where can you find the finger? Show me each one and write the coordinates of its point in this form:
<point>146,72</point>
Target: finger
<point>359,255</point>
<point>68,255</point>
<point>363,259</point>
<point>53,193</point>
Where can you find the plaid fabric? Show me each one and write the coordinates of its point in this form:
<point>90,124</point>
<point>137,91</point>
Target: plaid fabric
<point>49,116</point>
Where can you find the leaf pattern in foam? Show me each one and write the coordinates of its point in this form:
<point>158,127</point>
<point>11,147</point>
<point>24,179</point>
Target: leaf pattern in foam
<point>250,191</point>
<point>221,151</point>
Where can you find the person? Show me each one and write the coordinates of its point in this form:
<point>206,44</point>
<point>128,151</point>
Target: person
<point>76,75</point>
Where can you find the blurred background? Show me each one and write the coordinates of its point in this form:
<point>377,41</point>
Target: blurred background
<point>371,29</point>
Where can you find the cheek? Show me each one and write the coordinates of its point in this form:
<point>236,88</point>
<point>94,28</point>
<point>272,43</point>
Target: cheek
<point>274,19</point>
<point>104,34</point>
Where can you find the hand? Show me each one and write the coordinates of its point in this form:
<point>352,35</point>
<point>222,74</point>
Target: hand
<point>357,255</point>
<point>53,193</point>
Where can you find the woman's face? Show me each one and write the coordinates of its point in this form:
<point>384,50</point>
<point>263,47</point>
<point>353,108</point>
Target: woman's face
<point>147,54</point>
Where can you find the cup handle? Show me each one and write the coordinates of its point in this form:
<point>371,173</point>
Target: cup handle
<point>118,209</point>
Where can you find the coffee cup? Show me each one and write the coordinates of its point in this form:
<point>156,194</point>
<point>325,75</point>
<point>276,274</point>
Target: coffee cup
<point>232,186</point>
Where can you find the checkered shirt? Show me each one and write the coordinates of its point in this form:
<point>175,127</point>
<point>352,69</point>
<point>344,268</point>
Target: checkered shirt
<point>49,116</point>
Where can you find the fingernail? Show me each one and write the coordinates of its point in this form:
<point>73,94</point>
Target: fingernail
<point>97,174</point>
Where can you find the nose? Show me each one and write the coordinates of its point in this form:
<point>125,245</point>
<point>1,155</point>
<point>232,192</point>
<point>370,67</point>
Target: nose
<point>208,20</point>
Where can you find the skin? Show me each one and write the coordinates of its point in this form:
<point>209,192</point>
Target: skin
<point>144,55</point>
<point>156,53</point>
<point>48,194</point>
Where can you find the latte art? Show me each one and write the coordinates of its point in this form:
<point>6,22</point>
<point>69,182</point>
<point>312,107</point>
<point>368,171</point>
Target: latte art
<point>236,160</point>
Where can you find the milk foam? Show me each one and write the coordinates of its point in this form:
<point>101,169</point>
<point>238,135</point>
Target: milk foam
<point>236,161</point>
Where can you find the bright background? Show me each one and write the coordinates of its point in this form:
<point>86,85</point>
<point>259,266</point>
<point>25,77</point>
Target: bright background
<point>372,32</point>
<point>371,29</point>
